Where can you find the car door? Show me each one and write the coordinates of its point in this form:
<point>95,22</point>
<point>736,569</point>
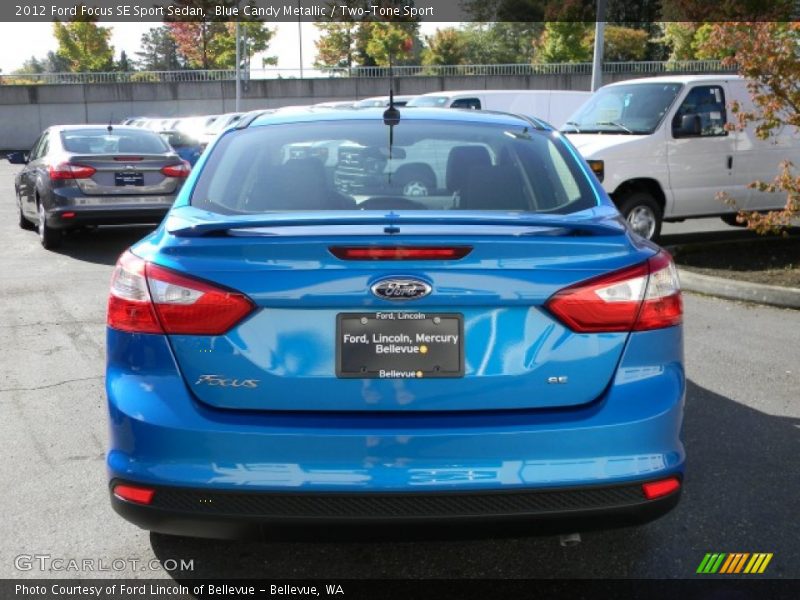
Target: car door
<point>27,178</point>
<point>700,153</point>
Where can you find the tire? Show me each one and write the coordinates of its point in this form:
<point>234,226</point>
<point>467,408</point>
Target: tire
<point>416,181</point>
<point>49,237</point>
<point>731,220</point>
<point>642,213</point>
<point>23,222</point>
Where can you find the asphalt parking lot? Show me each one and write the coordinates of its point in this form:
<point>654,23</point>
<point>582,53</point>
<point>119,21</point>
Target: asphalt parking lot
<point>741,432</point>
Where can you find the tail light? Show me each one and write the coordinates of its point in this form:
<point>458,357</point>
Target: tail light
<point>642,297</point>
<point>400,252</point>
<point>70,171</point>
<point>146,298</point>
<point>181,170</point>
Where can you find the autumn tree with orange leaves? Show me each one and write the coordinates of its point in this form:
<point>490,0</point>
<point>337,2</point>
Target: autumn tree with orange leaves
<point>767,54</point>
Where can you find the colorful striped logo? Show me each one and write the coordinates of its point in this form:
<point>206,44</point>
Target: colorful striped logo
<point>734,563</point>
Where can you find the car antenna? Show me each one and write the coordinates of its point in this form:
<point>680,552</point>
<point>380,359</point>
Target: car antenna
<point>110,127</point>
<point>391,116</point>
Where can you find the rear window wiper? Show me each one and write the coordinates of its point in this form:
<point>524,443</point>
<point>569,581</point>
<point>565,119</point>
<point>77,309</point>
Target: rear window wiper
<point>574,125</point>
<point>393,222</point>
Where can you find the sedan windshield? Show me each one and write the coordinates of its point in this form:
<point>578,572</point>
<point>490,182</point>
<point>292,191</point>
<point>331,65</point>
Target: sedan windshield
<point>103,141</point>
<point>624,109</point>
<point>351,165</point>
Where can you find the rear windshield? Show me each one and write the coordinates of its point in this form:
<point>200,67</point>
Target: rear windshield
<point>429,165</point>
<point>100,141</point>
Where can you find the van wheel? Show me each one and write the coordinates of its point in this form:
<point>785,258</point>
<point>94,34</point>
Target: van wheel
<point>642,213</point>
<point>731,220</point>
<point>416,180</point>
<point>49,237</point>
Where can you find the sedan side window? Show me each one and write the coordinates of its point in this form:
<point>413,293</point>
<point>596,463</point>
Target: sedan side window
<point>702,113</point>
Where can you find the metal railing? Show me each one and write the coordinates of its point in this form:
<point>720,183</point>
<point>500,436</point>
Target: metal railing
<point>639,67</point>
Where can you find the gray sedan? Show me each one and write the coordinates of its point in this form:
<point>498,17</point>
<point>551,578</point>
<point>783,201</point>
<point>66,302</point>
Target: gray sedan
<point>82,175</point>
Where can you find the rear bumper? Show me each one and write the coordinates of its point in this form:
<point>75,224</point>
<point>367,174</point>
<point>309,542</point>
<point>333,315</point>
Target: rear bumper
<point>123,215</point>
<point>162,437</point>
<point>70,209</point>
<point>236,515</point>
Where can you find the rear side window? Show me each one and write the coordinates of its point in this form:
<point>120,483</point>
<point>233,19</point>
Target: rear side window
<point>430,165</point>
<point>101,141</point>
<point>470,103</point>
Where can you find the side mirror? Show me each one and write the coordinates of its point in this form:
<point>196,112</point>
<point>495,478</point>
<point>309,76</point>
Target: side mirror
<point>17,158</point>
<point>688,126</point>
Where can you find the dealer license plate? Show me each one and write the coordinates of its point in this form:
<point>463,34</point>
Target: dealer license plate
<point>399,345</point>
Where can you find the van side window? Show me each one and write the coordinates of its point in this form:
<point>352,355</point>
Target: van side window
<point>471,103</point>
<point>702,113</point>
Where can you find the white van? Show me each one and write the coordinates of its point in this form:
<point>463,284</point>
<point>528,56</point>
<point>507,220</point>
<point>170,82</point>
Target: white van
<point>553,106</point>
<point>663,153</point>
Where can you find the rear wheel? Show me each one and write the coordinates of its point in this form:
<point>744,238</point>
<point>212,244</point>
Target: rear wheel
<point>23,222</point>
<point>642,213</point>
<point>416,180</point>
<point>49,237</point>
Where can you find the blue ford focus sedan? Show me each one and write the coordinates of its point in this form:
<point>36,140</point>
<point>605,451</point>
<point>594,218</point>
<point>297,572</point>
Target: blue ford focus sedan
<point>369,316</point>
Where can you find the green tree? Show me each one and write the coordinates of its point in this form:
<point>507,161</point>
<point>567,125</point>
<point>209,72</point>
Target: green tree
<point>620,43</point>
<point>398,39</point>
<point>124,65</point>
<point>445,47</point>
<point>159,51</point>
<point>564,41</point>
<point>84,46</point>
<point>500,43</point>
<point>678,37</point>
<point>31,65</point>
<point>336,45</point>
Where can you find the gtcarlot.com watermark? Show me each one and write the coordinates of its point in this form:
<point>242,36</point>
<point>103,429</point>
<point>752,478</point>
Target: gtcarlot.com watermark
<point>66,564</point>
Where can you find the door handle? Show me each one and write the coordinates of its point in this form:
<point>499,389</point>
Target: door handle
<point>730,162</point>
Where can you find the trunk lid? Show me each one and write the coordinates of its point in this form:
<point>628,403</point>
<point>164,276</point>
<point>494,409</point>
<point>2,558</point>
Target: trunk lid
<point>287,355</point>
<point>135,174</point>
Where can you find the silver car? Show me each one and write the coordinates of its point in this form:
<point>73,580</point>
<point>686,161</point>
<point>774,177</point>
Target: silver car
<point>82,175</point>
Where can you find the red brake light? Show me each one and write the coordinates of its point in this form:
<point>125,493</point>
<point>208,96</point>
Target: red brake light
<point>135,494</point>
<point>663,487</point>
<point>400,252</point>
<point>70,171</point>
<point>638,298</point>
<point>181,170</point>
<point>146,298</point>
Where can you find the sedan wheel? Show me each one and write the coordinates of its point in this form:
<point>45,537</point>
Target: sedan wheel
<point>49,237</point>
<point>415,189</point>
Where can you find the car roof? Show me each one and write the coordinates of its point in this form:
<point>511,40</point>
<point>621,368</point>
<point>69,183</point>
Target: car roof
<point>310,114</point>
<point>683,79</point>
<point>96,126</point>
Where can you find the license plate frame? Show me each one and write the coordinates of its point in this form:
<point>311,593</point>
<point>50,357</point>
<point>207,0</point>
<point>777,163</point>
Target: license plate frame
<point>359,359</point>
<point>133,179</point>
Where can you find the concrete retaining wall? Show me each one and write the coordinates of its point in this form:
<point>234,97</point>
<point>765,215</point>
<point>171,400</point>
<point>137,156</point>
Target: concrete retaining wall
<point>26,110</point>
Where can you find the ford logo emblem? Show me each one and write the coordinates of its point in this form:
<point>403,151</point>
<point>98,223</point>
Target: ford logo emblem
<point>401,289</point>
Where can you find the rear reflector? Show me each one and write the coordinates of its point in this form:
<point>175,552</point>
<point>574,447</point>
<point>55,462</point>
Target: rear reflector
<point>69,171</point>
<point>400,252</point>
<point>181,170</point>
<point>147,298</point>
<point>138,495</point>
<point>68,215</point>
<point>645,296</point>
<point>664,487</point>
